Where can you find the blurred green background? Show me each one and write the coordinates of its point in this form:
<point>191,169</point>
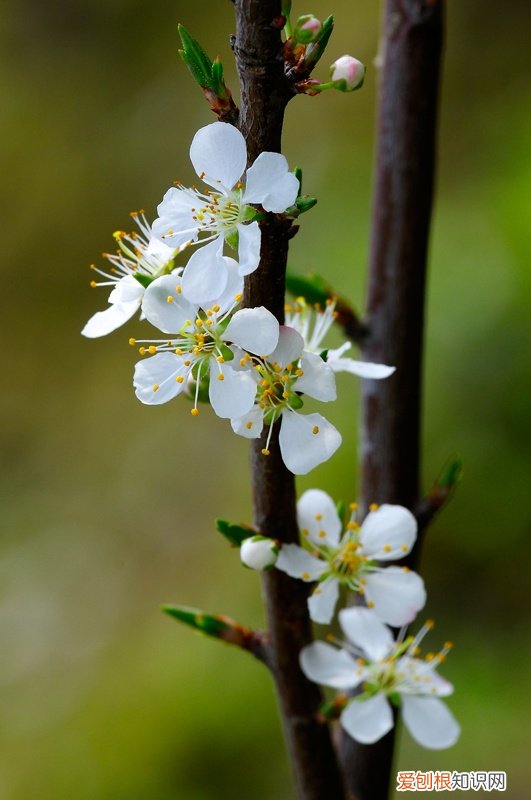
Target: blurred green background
<point>107,505</point>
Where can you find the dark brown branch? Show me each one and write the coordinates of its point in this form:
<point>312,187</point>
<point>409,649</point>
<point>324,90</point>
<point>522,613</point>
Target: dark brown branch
<point>391,409</point>
<point>264,96</point>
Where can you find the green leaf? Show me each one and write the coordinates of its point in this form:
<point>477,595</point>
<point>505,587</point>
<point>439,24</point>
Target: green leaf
<point>315,50</point>
<point>196,59</point>
<point>312,287</point>
<point>305,203</point>
<point>298,174</point>
<point>218,85</point>
<point>210,624</point>
<point>235,534</point>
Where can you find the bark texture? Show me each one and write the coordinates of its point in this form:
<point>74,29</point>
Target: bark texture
<point>265,92</point>
<point>391,409</point>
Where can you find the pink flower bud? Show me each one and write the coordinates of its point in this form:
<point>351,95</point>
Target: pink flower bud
<point>348,72</point>
<point>307,29</point>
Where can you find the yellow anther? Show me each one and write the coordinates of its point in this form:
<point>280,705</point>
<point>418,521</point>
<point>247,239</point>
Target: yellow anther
<point>169,298</point>
<point>178,289</point>
<point>285,395</point>
<point>360,661</point>
<point>315,429</point>
<point>220,360</point>
<point>187,362</point>
<point>387,548</point>
<point>299,373</point>
<point>155,387</point>
<point>194,412</point>
<point>305,532</point>
<point>152,349</point>
<point>429,624</point>
<point>305,576</point>
<point>93,284</point>
<point>373,507</point>
<point>317,591</point>
<point>248,425</point>
<point>429,656</point>
<point>221,377</point>
<point>265,451</point>
<point>199,322</point>
<point>264,383</point>
<point>330,637</point>
<point>322,534</point>
<point>370,604</point>
<point>178,351</point>
<point>405,569</point>
<point>243,362</point>
<point>209,323</point>
<point>215,308</point>
<point>179,379</point>
<point>238,296</point>
<point>119,235</point>
<point>448,645</point>
<point>352,526</point>
<point>318,517</point>
<point>142,350</point>
<point>353,506</point>
<point>404,548</point>
<point>132,342</point>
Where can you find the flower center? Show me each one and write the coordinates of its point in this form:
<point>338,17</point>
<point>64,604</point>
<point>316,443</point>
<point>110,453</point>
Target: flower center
<point>220,213</point>
<point>275,390</point>
<point>346,563</point>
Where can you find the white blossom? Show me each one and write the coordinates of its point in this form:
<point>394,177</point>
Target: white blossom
<point>140,259</point>
<point>305,440</point>
<point>198,346</point>
<point>313,323</point>
<point>223,213</point>
<point>386,671</point>
<point>351,559</point>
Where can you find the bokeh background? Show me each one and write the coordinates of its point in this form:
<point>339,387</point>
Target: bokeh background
<point>107,505</point>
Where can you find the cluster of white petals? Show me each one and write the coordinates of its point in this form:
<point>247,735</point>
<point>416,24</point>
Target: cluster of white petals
<point>313,323</point>
<point>140,258</point>
<point>223,213</point>
<point>351,558</point>
<point>387,672</point>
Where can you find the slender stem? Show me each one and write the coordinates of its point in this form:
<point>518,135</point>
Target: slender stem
<point>265,93</point>
<point>404,178</point>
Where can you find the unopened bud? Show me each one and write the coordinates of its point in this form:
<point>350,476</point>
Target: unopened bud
<point>307,29</point>
<point>258,552</point>
<point>347,73</point>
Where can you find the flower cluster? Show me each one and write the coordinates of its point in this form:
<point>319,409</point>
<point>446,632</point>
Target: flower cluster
<point>251,369</point>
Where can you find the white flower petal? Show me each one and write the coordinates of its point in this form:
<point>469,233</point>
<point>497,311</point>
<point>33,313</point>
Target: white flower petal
<point>250,425</point>
<point>234,288</point>
<point>363,369</point>
<point>306,441</point>
<point>168,316</point>
<point>159,371</point>
<point>103,322</point>
<point>254,329</point>
<point>429,722</point>
<point>289,347</point>
<point>234,395</point>
<point>328,666</point>
<point>249,241</point>
<point>365,630</point>
<point>397,595</point>
<point>388,533</point>
<point>127,290</point>
<point>298,563</point>
<point>258,552</point>
<point>318,380</point>
<point>219,155</point>
<point>322,601</point>
<point>270,183</point>
<point>368,720</point>
<point>158,253</point>
<point>317,514</point>
<point>431,683</point>
<point>175,224</point>
<point>205,275</point>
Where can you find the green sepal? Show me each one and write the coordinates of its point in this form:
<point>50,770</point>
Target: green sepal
<point>295,402</point>
<point>395,699</point>
<point>324,354</point>
<point>312,287</point>
<point>144,280</point>
<point>210,624</point>
<point>305,203</point>
<point>232,239</point>
<point>315,50</point>
<point>196,59</point>
<point>235,534</point>
<point>341,508</point>
<point>298,174</point>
